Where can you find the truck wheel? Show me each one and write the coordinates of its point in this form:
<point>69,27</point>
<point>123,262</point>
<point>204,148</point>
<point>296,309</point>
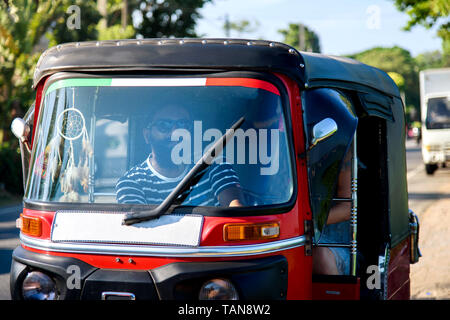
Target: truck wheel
<point>430,168</point>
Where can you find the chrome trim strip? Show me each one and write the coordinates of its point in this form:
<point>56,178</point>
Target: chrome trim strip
<point>164,251</point>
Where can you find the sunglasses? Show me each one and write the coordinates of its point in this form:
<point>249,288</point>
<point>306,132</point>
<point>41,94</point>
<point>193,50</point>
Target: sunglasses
<point>166,125</point>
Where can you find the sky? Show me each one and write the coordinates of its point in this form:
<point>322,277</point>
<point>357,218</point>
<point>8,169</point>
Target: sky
<point>343,26</point>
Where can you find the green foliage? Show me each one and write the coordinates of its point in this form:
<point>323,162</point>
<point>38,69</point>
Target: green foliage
<point>400,63</point>
<point>431,60</point>
<point>58,32</point>
<point>115,32</point>
<point>292,37</point>
<point>242,26</point>
<point>425,12</point>
<point>22,24</point>
<point>429,13</point>
<point>170,18</point>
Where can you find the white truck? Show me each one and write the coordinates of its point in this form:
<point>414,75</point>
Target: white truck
<point>435,116</point>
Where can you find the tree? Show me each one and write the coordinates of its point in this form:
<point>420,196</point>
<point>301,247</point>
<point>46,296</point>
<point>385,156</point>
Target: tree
<point>169,18</point>
<point>430,60</point>
<point>116,15</point>
<point>429,13</point>
<point>401,65</point>
<point>58,32</point>
<point>301,37</point>
<point>241,26</point>
<point>22,25</point>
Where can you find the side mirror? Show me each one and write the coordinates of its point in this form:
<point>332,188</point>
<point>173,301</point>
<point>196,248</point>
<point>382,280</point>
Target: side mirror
<point>22,132</point>
<point>20,129</point>
<point>322,130</point>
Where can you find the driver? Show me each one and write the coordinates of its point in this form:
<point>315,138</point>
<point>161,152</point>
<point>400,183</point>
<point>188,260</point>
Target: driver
<point>151,181</point>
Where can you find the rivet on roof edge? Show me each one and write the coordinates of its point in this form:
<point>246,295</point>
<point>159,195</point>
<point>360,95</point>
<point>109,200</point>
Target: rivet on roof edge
<point>271,44</point>
<point>306,85</point>
<point>97,44</point>
<point>77,44</point>
<point>118,43</point>
<point>139,42</point>
<point>160,42</point>
<point>226,42</point>
<point>181,42</point>
<point>292,51</point>
<point>58,47</point>
<point>302,65</point>
<point>249,43</point>
<point>204,42</point>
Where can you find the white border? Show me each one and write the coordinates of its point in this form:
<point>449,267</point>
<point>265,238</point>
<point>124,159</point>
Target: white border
<point>157,82</point>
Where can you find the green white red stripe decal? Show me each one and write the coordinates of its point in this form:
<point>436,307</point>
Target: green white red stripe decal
<point>163,82</point>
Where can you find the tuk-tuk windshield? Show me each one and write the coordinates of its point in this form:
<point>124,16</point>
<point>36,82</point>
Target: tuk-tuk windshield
<point>132,140</point>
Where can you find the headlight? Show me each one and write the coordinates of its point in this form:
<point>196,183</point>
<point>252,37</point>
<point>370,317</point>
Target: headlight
<point>38,286</point>
<point>218,289</point>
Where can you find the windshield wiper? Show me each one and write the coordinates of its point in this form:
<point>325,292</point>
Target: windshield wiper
<point>204,162</point>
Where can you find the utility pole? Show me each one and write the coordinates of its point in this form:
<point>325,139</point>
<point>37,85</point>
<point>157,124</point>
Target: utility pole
<point>301,37</point>
<point>101,7</point>
<point>124,17</point>
<point>227,26</point>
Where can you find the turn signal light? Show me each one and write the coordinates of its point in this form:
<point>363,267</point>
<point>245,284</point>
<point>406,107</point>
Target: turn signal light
<point>251,231</point>
<point>29,225</point>
<point>432,147</point>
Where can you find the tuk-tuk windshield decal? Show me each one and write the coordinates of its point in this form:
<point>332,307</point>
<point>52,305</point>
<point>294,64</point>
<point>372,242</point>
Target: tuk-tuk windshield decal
<point>132,140</point>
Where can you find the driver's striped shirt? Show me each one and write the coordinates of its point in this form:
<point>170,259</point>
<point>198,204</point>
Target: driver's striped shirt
<point>142,184</point>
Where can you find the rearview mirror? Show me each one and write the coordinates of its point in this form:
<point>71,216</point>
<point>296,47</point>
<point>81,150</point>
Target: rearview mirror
<point>322,130</point>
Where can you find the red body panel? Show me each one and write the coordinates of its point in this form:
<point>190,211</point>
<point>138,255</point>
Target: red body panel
<point>336,291</point>
<point>37,105</point>
<point>398,277</point>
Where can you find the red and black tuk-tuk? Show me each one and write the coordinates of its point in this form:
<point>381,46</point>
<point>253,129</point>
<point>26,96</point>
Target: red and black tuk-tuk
<point>235,203</point>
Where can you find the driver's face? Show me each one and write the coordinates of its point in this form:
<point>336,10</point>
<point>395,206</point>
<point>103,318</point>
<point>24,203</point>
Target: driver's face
<point>169,119</point>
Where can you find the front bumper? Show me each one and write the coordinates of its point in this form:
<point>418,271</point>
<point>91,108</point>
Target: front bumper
<point>435,157</point>
<point>254,279</point>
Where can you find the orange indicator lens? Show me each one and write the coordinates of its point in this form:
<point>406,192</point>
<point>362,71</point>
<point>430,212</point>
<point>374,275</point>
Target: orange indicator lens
<point>30,225</point>
<point>251,231</point>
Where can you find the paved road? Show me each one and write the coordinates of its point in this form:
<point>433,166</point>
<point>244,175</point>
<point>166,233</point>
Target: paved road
<point>423,189</point>
<point>8,241</point>
<point>423,192</point>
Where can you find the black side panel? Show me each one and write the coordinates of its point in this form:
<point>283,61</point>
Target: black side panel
<point>54,266</point>
<point>257,279</point>
<point>373,192</point>
<point>377,105</point>
<point>398,190</point>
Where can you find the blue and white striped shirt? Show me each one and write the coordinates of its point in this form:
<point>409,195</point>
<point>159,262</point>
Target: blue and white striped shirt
<point>142,184</point>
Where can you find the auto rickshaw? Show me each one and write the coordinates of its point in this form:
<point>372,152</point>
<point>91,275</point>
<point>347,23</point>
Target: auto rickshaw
<point>108,215</point>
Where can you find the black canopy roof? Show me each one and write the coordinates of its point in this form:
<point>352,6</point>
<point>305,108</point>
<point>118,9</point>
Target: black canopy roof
<point>218,54</point>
